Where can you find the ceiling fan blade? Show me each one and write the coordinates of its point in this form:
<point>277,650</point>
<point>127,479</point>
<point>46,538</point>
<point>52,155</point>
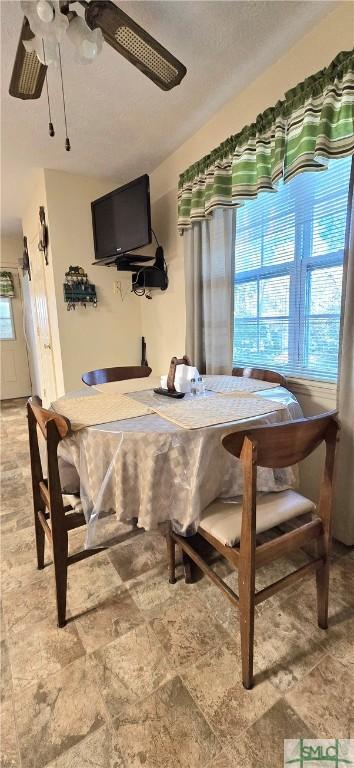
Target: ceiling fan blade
<point>28,73</point>
<point>135,44</point>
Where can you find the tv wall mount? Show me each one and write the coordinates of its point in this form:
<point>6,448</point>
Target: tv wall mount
<point>144,276</point>
<point>124,262</point>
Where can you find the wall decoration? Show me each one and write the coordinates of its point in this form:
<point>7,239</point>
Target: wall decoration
<point>77,289</point>
<point>26,267</point>
<point>44,238</point>
<point>7,286</point>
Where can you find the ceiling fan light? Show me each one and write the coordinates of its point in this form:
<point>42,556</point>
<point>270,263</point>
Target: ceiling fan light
<point>88,49</point>
<point>36,46</point>
<point>45,11</point>
<point>88,42</point>
<point>53,29</point>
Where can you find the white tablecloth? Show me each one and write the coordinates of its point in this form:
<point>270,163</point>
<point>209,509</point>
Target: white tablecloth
<point>150,469</point>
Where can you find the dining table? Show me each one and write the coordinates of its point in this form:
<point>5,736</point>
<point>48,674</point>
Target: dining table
<point>155,467</point>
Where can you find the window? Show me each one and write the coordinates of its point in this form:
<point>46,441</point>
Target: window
<point>7,331</point>
<point>288,274</point>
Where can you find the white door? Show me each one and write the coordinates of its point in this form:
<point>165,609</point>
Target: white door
<point>14,378</point>
<point>42,323</point>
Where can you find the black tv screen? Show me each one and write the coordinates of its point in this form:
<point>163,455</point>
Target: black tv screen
<point>122,220</point>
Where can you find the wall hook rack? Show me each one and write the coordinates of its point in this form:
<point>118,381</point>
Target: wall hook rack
<point>78,290</point>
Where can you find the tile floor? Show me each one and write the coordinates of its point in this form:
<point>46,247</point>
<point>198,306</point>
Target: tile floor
<point>148,674</point>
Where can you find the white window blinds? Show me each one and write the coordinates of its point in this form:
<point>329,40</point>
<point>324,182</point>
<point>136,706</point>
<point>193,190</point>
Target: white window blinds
<point>7,331</point>
<point>288,275</point>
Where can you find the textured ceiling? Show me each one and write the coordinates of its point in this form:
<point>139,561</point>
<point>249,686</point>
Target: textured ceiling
<point>120,123</point>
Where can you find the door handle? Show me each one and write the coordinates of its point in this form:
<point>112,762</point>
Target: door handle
<point>47,346</point>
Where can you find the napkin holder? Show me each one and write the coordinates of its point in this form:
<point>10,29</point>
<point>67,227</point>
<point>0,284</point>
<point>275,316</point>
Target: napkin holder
<point>171,389</point>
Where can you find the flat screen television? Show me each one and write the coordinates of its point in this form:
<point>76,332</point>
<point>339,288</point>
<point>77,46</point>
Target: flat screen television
<point>121,220</point>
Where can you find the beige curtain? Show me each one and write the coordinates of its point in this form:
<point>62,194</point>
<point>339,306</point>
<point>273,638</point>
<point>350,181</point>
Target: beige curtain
<point>344,497</point>
<point>209,247</point>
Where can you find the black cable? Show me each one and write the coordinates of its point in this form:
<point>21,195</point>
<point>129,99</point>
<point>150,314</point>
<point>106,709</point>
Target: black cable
<point>157,242</point>
<point>50,125</point>
<point>67,140</point>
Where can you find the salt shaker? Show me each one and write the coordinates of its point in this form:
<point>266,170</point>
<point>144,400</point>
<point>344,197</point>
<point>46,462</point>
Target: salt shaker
<point>194,390</point>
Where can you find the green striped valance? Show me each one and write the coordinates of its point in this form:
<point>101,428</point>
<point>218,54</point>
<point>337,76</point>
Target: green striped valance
<point>315,120</point>
<point>7,288</point>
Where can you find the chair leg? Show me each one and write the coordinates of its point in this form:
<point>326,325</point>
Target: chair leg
<point>246,595</point>
<point>40,541</point>
<point>322,549</point>
<point>171,554</point>
<point>322,585</point>
<point>187,567</point>
<point>61,581</point>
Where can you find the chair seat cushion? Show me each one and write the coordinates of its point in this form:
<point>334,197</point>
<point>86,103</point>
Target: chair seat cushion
<point>222,519</point>
<point>72,500</point>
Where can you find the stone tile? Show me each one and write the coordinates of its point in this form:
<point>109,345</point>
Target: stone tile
<point>130,668</point>
<point>218,605</point>
<point>88,579</point>
<point>295,608</point>
<point>338,640</point>
<point>111,532</point>
<point>5,678</point>
<point>57,713</point>
<point>342,580</point>
<point>139,554</point>
<point>2,624</point>
<point>216,686</point>
<point>302,599</point>
<point>284,650</point>
<point>262,745</point>
<point>99,750</point>
<point>9,756</point>
<point>13,521</point>
<point>13,547</point>
<point>9,467</point>
<point>186,629</point>
<point>325,700</point>
<point>279,568</point>
<point>152,588</point>
<point>115,614</point>
<point>167,729</point>
<point>220,762</point>
<point>24,608</point>
<point>18,573</point>
<point>42,652</point>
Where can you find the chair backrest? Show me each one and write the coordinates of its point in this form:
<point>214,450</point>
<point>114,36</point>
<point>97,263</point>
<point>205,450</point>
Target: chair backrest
<point>53,428</point>
<point>43,415</point>
<point>261,373</point>
<point>122,373</point>
<point>283,445</point>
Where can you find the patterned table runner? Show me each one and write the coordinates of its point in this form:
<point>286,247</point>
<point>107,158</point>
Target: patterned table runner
<point>99,409</point>
<point>226,384</point>
<point>207,412</point>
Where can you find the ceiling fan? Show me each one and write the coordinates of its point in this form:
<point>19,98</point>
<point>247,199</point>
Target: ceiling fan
<point>45,23</point>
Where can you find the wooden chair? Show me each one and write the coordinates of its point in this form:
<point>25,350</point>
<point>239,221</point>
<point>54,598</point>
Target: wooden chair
<point>231,527</point>
<point>260,373</point>
<point>51,518</point>
<point>106,375</point>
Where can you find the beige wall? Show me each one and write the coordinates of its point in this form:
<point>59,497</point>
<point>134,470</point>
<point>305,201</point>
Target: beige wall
<point>89,338</point>
<point>10,251</point>
<point>163,319</point>
<point>31,229</point>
